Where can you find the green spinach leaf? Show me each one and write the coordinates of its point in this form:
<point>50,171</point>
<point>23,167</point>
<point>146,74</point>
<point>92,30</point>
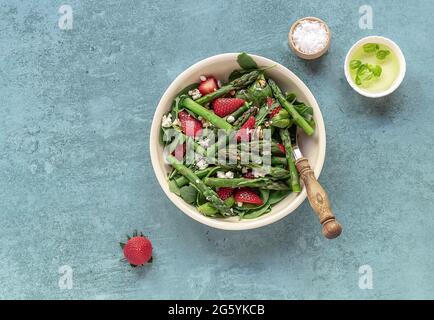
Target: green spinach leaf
<point>173,187</point>
<point>246,62</point>
<point>188,193</point>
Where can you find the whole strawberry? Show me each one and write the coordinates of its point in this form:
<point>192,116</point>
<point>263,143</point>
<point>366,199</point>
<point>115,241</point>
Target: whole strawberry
<point>137,250</point>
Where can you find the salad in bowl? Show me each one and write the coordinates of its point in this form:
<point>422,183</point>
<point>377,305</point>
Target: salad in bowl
<point>226,143</point>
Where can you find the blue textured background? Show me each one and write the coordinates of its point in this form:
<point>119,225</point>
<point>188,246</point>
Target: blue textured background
<point>75,113</point>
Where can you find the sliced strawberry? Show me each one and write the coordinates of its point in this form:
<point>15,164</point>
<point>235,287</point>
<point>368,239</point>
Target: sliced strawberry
<point>247,195</point>
<point>275,111</point>
<point>281,148</point>
<point>250,123</point>
<point>225,106</point>
<point>190,126</point>
<point>244,132</point>
<point>269,101</point>
<point>249,175</point>
<point>208,86</point>
<point>225,192</point>
<point>179,152</point>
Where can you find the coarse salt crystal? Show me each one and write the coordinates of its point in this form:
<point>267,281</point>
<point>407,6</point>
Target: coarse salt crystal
<point>310,36</point>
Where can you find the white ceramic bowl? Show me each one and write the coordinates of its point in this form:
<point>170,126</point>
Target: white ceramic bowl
<point>380,40</point>
<point>221,66</point>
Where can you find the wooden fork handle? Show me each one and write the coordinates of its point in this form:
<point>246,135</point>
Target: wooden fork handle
<point>318,200</point>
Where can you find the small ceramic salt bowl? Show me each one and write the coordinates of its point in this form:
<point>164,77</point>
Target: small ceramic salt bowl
<point>297,50</point>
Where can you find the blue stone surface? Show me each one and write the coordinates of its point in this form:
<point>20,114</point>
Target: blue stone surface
<point>75,112</point>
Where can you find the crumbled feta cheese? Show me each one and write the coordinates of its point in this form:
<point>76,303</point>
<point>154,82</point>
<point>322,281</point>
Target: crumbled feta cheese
<point>201,162</point>
<point>225,175</point>
<point>240,204</point>
<point>207,124</point>
<point>259,172</point>
<point>195,94</point>
<point>205,142</point>
<point>230,119</point>
<point>202,78</point>
<point>221,174</point>
<point>176,122</point>
<point>199,118</point>
<point>166,122</point>
<point>244,170</point>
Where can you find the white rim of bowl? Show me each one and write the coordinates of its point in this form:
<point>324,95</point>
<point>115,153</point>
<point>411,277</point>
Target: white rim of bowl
<point>221,223</point>
<point>402,66</point>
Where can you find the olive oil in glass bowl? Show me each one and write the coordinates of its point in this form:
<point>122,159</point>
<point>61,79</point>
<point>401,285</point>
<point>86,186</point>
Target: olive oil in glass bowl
<point>392,66</point>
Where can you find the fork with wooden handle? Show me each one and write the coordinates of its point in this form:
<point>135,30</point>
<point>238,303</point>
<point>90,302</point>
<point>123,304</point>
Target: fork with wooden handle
<point>317,196</point>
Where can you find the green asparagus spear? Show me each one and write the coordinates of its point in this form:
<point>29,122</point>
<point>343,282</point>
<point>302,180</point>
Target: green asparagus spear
<point>299,120</point>
<point>264,183</point>
<point>260,144</point>
<point>274,172</point>
<point>294,180</point>
<point>279,161</point>
<point>193,106</point>
<point>182,180</point>
<point>207,192</point>
<point>236,84</point>
<point>237,113</point>
<point>184,138</point>
<point>209,210</point>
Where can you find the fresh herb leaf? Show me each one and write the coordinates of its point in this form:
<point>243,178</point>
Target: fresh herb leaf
<point>277,195</point>
<point>370,47</point>
<point>188,193</point>
<point>161,137</point>
<point>281,120</point>
<point>290,97</point>
<point>382,54</point>
<point>173,187</point>
<point>364,73</point>
<point>376,70</point>
<point>358,81</point>
<point>355,64</point>
<point>207,209</point>
<point>246,62</point>
<point>303,109</point>
<point>258,91</point>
